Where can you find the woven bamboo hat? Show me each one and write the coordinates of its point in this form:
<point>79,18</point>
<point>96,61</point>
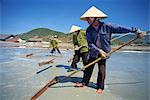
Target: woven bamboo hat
<point>55,36</point>
<point>93,12</point>
<point>74,28</point>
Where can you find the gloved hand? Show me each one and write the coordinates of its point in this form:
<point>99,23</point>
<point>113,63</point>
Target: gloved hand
<point>76,47</point>
<point>140,34</point>
<point>103,54</point>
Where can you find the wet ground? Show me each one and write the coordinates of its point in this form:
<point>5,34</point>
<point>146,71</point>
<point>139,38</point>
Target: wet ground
<point>127,76</point>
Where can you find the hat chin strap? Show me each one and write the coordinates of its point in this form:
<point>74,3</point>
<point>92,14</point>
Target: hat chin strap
<point>78,31</point>
<point>93,21</point>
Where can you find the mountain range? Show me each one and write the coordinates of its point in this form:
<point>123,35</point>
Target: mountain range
<point>47,34</point>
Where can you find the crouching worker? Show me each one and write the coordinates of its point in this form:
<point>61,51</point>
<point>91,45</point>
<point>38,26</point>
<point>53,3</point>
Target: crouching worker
<point>98,36</point>
<point>80,47</point>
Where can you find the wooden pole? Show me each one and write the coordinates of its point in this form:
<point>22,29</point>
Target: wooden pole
<point>46,62</point>
<point>54,81</point>
<point>29,55</point>
<point>51,82</point>
<point>111,41</point>
<point>119,37</point>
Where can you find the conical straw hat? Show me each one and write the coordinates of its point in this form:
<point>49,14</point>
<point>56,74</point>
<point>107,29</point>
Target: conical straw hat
<point>74,28</point>
<point>93,12</point>
<point>55,36</point>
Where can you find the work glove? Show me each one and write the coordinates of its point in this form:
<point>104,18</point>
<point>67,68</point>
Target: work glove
<point>140,34</point>
<point>103,54</point>
<point>76,47</point>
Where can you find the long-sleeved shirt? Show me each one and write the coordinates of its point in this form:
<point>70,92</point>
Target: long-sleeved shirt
<point>54,43</point>
<point>105,30</point>
<point>80,40</point>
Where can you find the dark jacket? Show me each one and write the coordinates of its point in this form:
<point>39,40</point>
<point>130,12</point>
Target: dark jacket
<point>105,31</point>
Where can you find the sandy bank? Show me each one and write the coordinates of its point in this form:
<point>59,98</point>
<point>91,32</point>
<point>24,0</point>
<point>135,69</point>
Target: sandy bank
<point>65,46</point>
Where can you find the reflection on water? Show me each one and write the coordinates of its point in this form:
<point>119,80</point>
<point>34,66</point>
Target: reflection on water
<point>19,81</point>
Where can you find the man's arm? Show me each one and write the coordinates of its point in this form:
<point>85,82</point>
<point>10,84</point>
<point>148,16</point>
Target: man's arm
<point>115,28</point>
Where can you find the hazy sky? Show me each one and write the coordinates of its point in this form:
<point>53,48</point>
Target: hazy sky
<point>19,16</point>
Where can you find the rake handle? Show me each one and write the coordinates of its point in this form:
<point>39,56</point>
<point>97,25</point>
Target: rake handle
<point>29,55</point>
<point>54,81</point>
<point>46,62</point>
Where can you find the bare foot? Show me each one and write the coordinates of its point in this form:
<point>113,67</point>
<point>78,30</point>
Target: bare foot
<point>79,85</point>
<point>99,91</point>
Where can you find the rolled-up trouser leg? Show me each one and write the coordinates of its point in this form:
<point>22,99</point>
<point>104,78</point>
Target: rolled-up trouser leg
<point>58,50</point>
<point>76,59</point>
<point>88,72</point>
<point>52,51</point>
<point>84,58</point>
<point>101,74</point>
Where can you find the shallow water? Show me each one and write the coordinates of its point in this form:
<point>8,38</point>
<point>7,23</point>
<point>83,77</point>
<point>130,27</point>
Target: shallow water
<point>127,73</point>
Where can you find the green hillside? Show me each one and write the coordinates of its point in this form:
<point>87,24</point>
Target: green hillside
<point>43,33</point>
<point>47,34</point>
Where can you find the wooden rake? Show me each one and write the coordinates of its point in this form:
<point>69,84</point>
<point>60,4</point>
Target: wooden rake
<point>54,80</point>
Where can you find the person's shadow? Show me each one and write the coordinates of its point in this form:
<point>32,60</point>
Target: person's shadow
<point>68,68</point>
<point>91,84</point>
<point>79,79</point>
<point>43,70</point>
<point>63,66</point>
<point>73,80</point>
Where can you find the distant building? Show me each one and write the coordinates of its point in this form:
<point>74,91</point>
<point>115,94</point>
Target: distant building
<point>4,37</point>
<point>15,39</point>
<point>34,40</point>
<point>10,38</point>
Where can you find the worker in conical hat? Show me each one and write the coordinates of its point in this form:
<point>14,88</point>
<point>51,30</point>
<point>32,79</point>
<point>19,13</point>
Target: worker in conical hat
<point>98,36</point>
<point>93,12</point>
<point>54,44</point>
<point>75,28</point>
<point>55,36</point>
<point>80,46</point>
